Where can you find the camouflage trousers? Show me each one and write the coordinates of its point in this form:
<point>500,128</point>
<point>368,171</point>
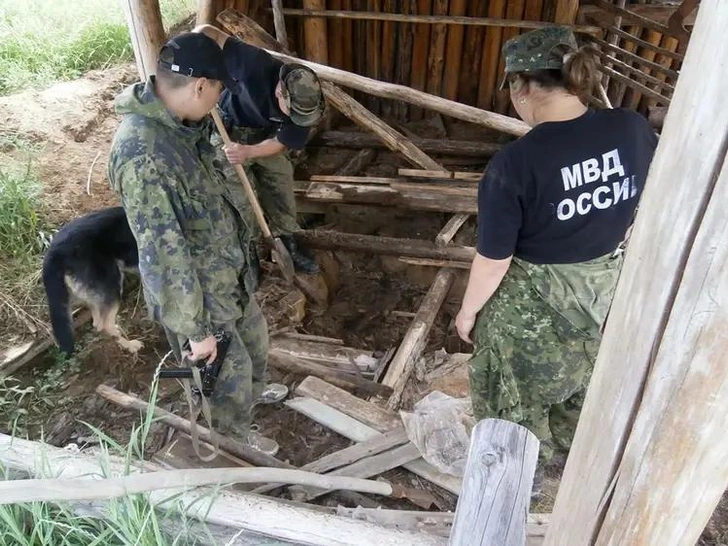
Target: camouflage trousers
<point>272,180</point>
<point>535,343</point>
<point>243,374</point>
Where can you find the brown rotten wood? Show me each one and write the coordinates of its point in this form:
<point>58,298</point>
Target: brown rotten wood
<point>437,19</point>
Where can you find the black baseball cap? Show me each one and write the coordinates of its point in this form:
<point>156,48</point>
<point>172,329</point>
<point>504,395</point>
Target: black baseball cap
<point>196,55</point>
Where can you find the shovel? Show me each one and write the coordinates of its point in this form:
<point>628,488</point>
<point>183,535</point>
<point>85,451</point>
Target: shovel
<point>280,253</point>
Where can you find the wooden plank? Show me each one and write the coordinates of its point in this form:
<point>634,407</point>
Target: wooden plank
<point>453,175</point>
<point>389,52</point>
<point>314,29</point>
<point>489,74</point>
<point>636,58</point>
<point>338,179</point>
<point>279,22</point>
<point>429,198</point>
<point>635,73</point>
<point>353,407</point>
<point>391,246</point>
<point>689,155</point>
<point>344,358</point>
<point>435,263</point>
<point>661,99</point>
<point>336,38</point>
<point>618,89</point>
<point>566,11</point>
<point>404,59</point>
<point>347,31</point>
<point>144,20</point>
<point>332,418</point>
<point>656,12</point>
<point>373,48</point>
<point>271,517</point>
<point>365,412</point>
<point>472,55</point>
<point>403,362</point>
<point>336,377</point>
<point>503,97</point>
<point>436,58</point>
<point>453,52</point>
<point>632,17</point>
<point>450,229</point>
<point>496,494</point>
<point>637,41</point>
<point>420,49</point>
<point>356,139</point>
<point>424,17</point>
<point>357,163</point>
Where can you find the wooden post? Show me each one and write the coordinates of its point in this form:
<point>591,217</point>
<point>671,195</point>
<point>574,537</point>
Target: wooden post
<point>654,467</point>
<point>454,52</point>
<point>314,29</point>
<point>566,11</point>
<point>414,340</point>
<point>147,33</point>
<point>493,506</point>
<point>279,22</point>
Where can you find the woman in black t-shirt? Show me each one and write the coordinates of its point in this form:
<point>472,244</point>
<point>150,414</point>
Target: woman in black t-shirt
<point>553,208</point>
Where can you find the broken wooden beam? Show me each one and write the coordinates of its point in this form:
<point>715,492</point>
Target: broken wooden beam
<point>345,359</point>
<point>253,33</point>
<point>633,18</point>
<point>408,196</point>
<point>436,263</point>
<point>629,56</point>
<point>234,447</point>
<point>441,175</point>
<point>496,495</point>
<point>357,163</point>
<point>357,139</point>
<point>335,377</point>
<point>635,40</point>
<point>392,246</point>
<point>450,229</point>
<point>238,24</point>
<point>352,428</point>
<point>629,82</point>
<point>415,339</point>
<point>279,22</point>
<point>271,517</point>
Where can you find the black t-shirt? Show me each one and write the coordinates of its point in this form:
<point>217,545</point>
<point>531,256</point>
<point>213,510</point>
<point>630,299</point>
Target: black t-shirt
<point>566,191</point>
<point>255,104</point>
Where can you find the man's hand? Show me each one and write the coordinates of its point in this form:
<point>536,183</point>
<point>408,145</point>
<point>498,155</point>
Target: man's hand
<point>464,323</point>
<point>207,348</point>
<point>237,154</point>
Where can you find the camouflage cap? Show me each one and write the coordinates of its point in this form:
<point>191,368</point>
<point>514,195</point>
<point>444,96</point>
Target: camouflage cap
<point>302,91</point>
<point>541,49</point>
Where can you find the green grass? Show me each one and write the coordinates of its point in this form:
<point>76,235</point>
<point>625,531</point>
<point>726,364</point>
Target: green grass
<point>21,235</point>
<point>43,41</point>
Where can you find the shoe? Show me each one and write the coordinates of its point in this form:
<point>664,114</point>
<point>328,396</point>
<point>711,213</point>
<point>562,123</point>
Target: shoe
<point>262,443</point>
<point>301,262</point>
<point>272,394</point>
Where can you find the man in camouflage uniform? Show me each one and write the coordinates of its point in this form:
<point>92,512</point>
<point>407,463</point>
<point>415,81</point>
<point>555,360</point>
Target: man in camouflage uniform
<point>273,110</point>
<point>192,259</point>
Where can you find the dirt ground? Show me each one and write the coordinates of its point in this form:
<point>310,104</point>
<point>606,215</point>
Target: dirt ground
<point>69,127</point>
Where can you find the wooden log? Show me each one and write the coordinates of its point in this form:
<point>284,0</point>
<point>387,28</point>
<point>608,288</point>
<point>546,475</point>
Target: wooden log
<point>420,49</point>
<point>251,32</point>
<point>207,10</point>
<point>348,44</point>
<point>640,355</point>
<point>314,29</point>
<point>415,339</point>
<point>450,229</point>
<point>566,11</point>
<point>367,413</point>
<point>234,447</point>
<point>357,163</point>
<point>273,518</point>
<point>335,377</point>
<point>638,98</point>
<point>503,97</point>
<point>373,50</point>
<point>391,246</point>
<point>404,58</point>
<point>352,139</point>
<point>147,34</point>
<point>637,41</point>
<point>338,179</point>
<point>472,55</point>
<point>337,356</point>
<point>406,196</point>
<point>676,23</point>
<point>389,53</point>
<point>635,73</point>
<point>436,19</point>
<point>632,17</point>
<point>636,58</point>
<point>440,175</point>
<point>279,22</point>
<point>489,74</point>
<point>453,52</point>
<point>354,430</point>
<point>496,493</point>
<point>436,58</point>
<point>336,38</point>
<point>39,347</point>
<point>661,99</point>
<point>656,12</point>
<point>436,263</point>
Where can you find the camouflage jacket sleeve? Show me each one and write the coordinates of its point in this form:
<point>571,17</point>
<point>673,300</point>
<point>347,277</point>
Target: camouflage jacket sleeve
<point>168,274</point>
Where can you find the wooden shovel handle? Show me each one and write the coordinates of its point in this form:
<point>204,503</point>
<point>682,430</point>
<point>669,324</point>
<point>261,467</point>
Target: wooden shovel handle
<point>243,178</point>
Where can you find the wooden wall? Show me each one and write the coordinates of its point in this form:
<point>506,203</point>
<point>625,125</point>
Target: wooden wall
<point>464,62</point>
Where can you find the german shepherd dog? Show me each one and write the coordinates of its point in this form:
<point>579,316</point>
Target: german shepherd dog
<point>87,259</point>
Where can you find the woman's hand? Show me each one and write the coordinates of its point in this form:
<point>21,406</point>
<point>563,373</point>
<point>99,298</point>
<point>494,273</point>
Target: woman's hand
<point>464,323</point>
<point>237,154</point>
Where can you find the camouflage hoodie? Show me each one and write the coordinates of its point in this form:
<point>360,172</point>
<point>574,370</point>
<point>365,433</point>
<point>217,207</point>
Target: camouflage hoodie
<point>190,254</point>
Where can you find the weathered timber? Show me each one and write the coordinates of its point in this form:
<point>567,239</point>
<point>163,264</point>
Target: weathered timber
<point>450,229</point>
<point>327,354</point>
<point>433,198</point>
<point>496,495</point>
<point>352,139</point>
<point>357,163</point>
<point>417,248</point>
<point>234,447</point>
<point>144,20</point>
<point>668,72</point>
<point>635,73</point>
<point>660,365</point>
<point>415,339</point>
<point>632,17</point>
<point>435,263</point>
<point>273,518</point>
<point>629,82</point>
<point>434,19</point>
<point>314,33</point>
<point>637,41</point>
<point>279,22</point>
<point>335,377</point>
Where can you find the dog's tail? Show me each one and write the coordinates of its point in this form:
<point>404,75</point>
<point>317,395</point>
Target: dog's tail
<point>58,298</point>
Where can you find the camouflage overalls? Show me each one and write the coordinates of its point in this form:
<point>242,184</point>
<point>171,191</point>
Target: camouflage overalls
<point>191,257</point>
<point>535,343</point>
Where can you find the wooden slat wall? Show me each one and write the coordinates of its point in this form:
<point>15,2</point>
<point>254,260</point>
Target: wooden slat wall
<point>462,63</point>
